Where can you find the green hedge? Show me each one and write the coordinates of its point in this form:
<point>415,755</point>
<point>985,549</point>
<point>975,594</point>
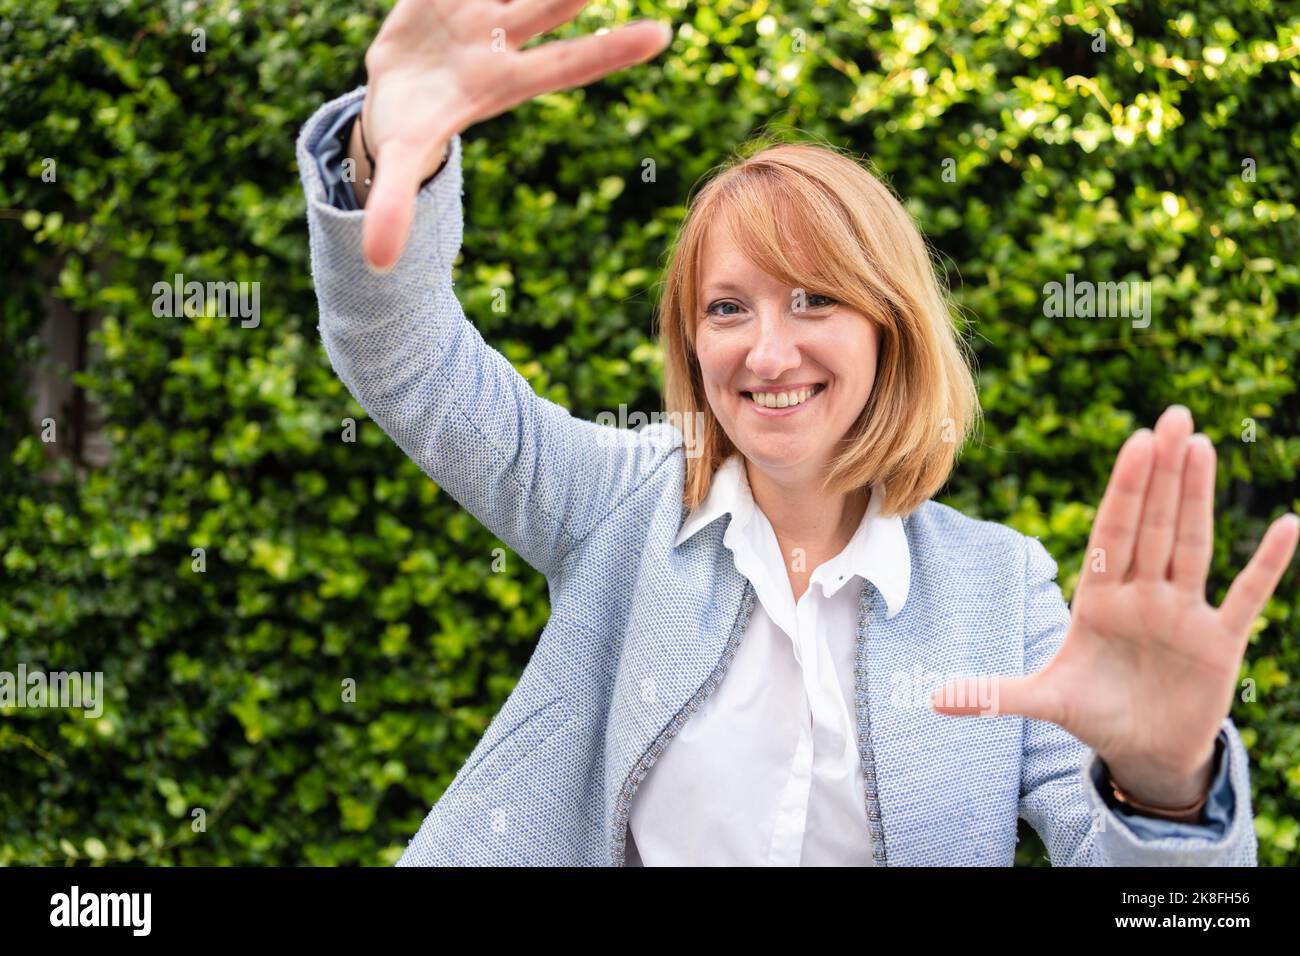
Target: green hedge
<point>329,560</point>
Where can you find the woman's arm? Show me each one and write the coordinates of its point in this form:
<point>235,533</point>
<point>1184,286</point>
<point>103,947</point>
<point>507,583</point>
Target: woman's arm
<point>537,477</point>
<point>1141,667</point>
<point>1060,797</point>
<point>533,474</point>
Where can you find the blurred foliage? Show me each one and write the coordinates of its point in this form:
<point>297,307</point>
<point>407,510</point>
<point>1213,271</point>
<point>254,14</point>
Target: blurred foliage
<point>329,560</point>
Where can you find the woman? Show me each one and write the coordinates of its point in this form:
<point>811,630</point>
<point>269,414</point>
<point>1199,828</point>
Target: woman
<point>745,628</point>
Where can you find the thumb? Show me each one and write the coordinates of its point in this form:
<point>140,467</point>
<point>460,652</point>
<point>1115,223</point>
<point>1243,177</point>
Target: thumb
<point>991,695</point>
<point>390,205</point>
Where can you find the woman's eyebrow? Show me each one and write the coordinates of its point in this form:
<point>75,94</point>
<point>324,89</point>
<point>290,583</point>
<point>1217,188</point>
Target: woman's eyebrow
<point>721,287</point>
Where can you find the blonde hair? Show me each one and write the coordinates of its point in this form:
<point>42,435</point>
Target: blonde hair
<point>819,220</point>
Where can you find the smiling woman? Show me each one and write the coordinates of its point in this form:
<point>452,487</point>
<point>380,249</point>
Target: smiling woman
<point>799,273</point>
<point>717,680</point>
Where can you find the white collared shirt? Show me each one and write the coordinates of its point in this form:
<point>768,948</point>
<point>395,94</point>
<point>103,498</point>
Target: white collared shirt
<point>767,772</point>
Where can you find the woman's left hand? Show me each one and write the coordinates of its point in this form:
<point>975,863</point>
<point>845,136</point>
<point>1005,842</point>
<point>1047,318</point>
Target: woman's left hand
<point>1148,668</point>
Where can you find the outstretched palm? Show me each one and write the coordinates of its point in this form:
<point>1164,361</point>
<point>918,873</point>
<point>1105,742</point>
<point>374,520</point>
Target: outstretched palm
<point>1147,670</point>
<point>438,66</point>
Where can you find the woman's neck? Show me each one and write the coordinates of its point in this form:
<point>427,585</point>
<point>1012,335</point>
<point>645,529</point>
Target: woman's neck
<point>810,527</point>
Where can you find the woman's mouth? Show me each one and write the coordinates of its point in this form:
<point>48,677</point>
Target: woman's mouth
<point>784,402</point>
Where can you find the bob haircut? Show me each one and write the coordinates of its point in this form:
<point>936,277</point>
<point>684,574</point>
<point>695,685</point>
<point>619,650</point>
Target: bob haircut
<point>818,220</point>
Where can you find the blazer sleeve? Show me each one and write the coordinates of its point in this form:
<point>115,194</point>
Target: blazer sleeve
<point>1060,795</point>
<point>536,476</point>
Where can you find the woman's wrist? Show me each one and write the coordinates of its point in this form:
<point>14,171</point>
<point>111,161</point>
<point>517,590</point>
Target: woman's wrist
<point>363,172</point>
<point>1185,802</point>
<point>364,162</point>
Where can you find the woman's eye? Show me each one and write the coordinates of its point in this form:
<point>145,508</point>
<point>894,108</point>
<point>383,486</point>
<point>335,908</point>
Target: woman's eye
<point>713,309</point>
<point>818,301</point>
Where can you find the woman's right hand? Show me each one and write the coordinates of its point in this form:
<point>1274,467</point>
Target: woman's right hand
<point>438,66</point>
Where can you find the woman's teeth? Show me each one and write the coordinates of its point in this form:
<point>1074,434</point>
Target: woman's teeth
<point>783,399</point>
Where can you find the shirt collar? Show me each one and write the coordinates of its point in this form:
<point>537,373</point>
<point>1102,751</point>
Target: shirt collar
<point>728,493</point>
<point>878,550</point>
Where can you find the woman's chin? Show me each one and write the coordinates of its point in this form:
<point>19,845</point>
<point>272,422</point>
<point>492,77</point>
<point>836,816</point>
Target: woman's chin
<point>776,452</point>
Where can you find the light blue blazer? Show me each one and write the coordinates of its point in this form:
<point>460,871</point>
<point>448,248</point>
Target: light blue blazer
<point>642,631</point>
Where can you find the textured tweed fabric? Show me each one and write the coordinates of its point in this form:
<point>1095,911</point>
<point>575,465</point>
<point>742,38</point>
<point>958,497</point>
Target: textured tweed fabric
<point>641,631</point>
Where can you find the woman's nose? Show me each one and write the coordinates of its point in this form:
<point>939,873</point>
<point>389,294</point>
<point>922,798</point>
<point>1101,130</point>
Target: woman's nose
<point>775,348</point>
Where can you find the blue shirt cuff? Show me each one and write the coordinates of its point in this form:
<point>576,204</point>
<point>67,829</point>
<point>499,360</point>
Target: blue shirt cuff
<point>331,150</point>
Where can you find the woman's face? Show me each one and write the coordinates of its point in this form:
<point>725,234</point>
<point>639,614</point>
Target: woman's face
<point>812,369</point>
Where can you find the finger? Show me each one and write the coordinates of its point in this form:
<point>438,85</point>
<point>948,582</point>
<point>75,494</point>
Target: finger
<point>1114,531</point>
<point>1155,540</point>
<point>995,696</point>
<point>390,205</point>
<point>1194,545</point>
<point>1254,585</point>
<point>567,63</point>
<point>525,19</point>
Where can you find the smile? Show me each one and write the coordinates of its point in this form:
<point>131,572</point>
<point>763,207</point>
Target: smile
<point>785,402</point>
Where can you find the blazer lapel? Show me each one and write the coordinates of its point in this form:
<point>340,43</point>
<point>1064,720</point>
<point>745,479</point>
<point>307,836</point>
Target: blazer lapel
<point>677,632</point>
<point>932,772</point>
